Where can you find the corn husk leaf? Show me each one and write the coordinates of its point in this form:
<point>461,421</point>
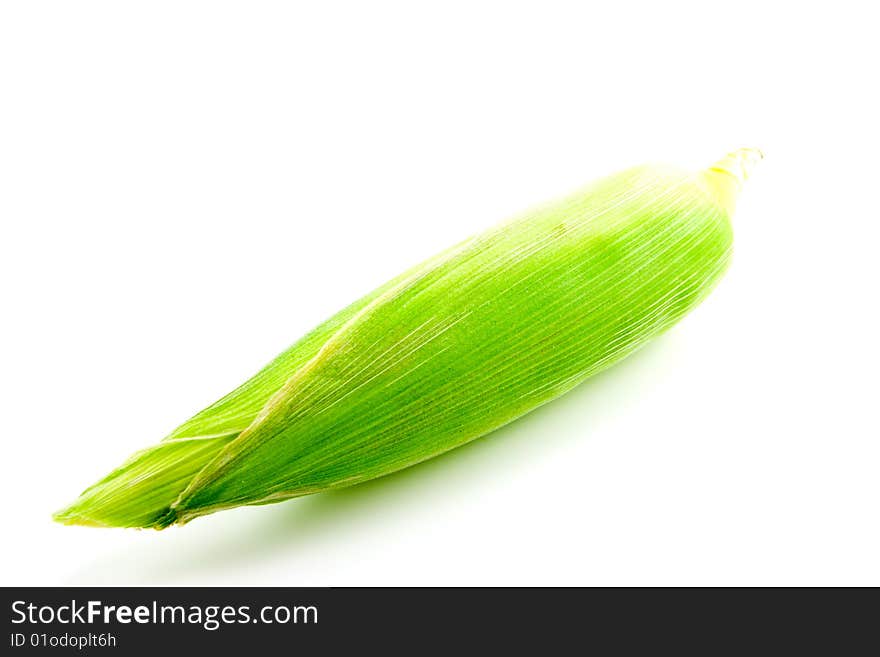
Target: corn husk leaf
<point>447,352</point>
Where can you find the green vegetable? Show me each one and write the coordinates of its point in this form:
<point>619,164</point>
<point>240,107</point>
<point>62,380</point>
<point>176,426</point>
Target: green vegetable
<point>447,352</point>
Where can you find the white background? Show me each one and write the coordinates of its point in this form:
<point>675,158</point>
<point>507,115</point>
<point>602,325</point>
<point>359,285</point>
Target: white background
<point>186,188</point>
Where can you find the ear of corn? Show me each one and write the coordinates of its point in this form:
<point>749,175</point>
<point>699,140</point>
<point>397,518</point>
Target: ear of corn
<point>447,352</point>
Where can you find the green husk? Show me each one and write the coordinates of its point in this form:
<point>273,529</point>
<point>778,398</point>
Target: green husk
<point>447,352</point>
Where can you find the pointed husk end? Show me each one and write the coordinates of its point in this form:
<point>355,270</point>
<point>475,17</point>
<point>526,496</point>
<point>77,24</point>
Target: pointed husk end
<point>726,177</point>
<point>141,493</point>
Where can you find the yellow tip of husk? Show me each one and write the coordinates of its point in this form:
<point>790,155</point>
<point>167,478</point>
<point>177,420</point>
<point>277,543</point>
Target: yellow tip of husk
<point>726,177</point>
<point>739,164</point>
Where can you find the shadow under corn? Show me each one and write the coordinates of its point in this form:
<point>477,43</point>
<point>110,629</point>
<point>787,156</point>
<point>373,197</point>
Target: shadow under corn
<point>234,542</point>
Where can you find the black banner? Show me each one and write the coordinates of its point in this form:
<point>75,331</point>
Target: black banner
<point>161,621</point>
